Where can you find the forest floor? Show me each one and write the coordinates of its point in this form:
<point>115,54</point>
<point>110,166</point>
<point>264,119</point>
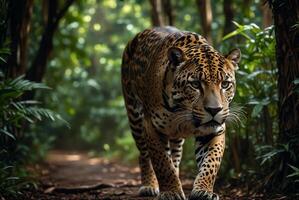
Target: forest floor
<point>73,176</point>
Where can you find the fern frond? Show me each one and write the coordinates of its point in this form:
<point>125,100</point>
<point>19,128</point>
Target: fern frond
<point>40,113</point>
<point>22,84</point>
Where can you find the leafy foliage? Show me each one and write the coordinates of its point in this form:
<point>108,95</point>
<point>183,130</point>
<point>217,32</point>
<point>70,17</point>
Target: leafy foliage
<point>14,146</point>
<point>295,174</point>
<point>12,182</point>
<point>15,110</point>
<point>256,90</point>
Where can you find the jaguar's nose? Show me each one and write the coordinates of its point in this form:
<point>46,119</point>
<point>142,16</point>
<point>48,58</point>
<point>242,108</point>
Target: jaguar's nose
<point>213,111</point>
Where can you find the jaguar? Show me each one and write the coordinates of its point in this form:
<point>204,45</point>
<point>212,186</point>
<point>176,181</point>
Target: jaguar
<point>176,85</point>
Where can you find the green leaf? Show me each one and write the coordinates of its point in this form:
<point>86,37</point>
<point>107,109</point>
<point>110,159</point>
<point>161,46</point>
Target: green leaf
<point>239,31</point>
<point>9,93</point>
<point>256,110</point>
<point>2,59</point>
<point>295,173</point>
<point>8,134</point>
<point>296,81</point>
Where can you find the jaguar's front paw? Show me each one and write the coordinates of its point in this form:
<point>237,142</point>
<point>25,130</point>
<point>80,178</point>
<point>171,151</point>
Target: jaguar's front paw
<point>148,191</point>
<point>170,195</point>
<point>203,195</point>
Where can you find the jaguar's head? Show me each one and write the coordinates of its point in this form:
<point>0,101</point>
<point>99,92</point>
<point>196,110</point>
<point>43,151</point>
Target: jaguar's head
<point>203,86</point>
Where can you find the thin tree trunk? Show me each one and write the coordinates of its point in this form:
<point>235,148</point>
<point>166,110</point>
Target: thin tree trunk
<point>16,12</point>
<point>39,64</point>
<point>156,13</point>
<point>20,16</point>
<point>267,15</point>
<point>4,16</point>
<point>205,12</point>
<point>168,11</point>
<point>235,149</point>
<point>25,28</point>
<point>229,16</point>
<point>268,126</point>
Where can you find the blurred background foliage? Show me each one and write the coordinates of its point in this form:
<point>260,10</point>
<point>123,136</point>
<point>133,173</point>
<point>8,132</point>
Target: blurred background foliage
<point>83,72</point>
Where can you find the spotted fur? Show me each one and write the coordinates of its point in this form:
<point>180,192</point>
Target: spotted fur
<point>176,85</point>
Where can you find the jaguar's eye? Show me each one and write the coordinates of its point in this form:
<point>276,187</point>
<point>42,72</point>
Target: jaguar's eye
<point>195,84</point>
<point>225,84</point>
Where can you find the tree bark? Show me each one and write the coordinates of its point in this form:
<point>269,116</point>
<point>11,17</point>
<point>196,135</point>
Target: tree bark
<point>267,15</point>
<point>25,28</point>
<point>286,14</point>
<point>156,13</point>
<point>205,12</point>
<point>235,153</point>
<point>268,126</point>
<point>51,19</point>
<point>19,15</point>
<point>38,67</point>
<point>287,53</point>
<point>168,11</point>
<point>229,16</point>
<point>4,15</point>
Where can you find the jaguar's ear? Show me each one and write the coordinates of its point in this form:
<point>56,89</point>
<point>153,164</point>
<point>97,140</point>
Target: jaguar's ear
<point>175,56</point>
<point>234,56</point>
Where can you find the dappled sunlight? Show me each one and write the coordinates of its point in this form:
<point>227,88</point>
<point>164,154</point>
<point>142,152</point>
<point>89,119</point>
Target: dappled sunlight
<point>94,161</point>
<point>73,157</point>
<point>56,156</point>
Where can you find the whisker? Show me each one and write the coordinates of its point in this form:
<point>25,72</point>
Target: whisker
<point>237,115</point>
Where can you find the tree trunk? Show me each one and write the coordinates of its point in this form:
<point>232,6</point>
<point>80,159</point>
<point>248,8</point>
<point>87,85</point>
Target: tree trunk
<point>52,16</point>
<point>168,11</point>
<point>19,15</point>
<point>4,14</point>
<point>156,13</point>
<point>229,16</point>
<point>205,12</point>
<point>25,28</point>
<point>236,153</point>
<point>287,53</point>
<point>268,126</point>
<point>267,15</point>
<point>286,14</point>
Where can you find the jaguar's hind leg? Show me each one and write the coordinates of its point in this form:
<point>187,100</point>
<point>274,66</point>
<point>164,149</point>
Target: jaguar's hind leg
<point>135,114</point>
<point>169,183</point>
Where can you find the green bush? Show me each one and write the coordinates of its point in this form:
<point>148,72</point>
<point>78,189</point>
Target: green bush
<point>257,93</point>
<point>15,143</point>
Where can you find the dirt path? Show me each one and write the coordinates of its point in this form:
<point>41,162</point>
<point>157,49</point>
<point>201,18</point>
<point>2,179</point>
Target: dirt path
<point>76,176</point>
<point>65,174</point>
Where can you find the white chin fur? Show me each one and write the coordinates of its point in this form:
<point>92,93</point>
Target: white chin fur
<point>205,130</point>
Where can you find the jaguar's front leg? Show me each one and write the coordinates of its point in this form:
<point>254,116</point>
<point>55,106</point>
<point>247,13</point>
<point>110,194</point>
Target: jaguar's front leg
<point>209,152</point>
<point>169,183</point>
<point>176,149</point>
